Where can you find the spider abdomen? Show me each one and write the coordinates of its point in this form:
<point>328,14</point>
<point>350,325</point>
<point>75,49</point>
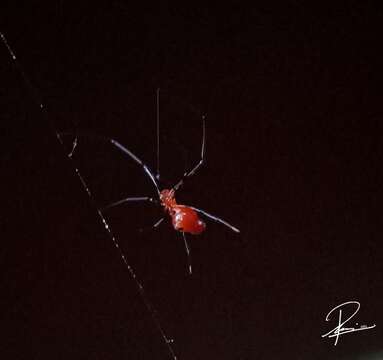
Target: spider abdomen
<point>187,220</point>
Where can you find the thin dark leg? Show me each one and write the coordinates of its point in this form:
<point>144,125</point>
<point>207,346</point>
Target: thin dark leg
<point>136,159</point>
<point>119,202</point>
<point>154,226</point>
<point>199,164</point>
<point>216,219</point>
<point>157,224</point>
<point>187,253</point>
<point>121,147</point>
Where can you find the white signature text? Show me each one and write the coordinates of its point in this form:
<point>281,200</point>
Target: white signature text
<point>340,329</point>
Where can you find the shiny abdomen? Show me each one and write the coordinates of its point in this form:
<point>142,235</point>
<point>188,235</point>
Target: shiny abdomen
<point>186,220</point>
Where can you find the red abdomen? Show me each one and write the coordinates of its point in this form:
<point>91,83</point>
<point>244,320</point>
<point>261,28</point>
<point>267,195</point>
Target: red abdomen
<point>186,220</point>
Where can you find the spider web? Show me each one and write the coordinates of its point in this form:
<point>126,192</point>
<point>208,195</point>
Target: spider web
<point>169,342</point>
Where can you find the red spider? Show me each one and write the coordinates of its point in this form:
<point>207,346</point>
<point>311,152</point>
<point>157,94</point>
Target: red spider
<point>185,219</point>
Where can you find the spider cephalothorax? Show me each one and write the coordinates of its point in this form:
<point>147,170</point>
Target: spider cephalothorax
<point>167,198</point>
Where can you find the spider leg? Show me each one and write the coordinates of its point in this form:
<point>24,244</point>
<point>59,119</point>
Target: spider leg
<point>135,158</point>
<point>135,199</point>
<point>119,146</point>
<point>157,224</point>
<point>119,202</point>
<point>200,162</point>
<point>187,248</point>
<point>154,226</point>
<point>216,219</point>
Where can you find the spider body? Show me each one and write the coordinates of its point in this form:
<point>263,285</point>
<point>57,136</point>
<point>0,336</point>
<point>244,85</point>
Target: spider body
<point>184,218</point>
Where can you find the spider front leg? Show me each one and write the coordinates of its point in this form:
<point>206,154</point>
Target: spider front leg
<point>136,199</point>
<point>117,145</point>
<point>200,162</point>
<point>119,202</point>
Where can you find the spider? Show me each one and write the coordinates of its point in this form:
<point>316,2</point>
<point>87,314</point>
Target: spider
<point>185,219</point>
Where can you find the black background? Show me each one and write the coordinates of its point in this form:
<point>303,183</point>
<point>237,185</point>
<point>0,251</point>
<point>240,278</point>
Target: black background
<point>293,102</point>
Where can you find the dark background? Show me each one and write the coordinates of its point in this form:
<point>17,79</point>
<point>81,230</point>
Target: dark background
<point>293,102</point>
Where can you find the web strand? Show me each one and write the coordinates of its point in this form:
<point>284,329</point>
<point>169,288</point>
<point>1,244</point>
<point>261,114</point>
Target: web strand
<point>132,273</point>
<point>149,306</point>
